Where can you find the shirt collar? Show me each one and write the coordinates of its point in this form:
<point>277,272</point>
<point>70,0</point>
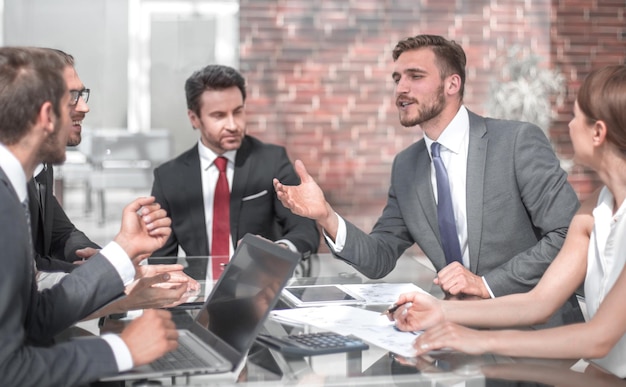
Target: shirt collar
<point>207,156</point>
<point>38,169</point>
<point>14,171</point>
<point>453,136</point>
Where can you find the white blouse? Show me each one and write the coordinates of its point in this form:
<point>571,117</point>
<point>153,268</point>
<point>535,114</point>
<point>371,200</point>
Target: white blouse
<point>605,260</point>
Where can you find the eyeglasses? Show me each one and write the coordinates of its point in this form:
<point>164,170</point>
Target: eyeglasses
<point>76,94</point>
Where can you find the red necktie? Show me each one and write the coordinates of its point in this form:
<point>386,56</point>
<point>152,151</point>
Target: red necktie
<point>220,248</point>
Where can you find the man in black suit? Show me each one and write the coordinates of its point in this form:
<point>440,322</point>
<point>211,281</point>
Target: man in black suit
<point>185,186</point>
<point>58,243</point>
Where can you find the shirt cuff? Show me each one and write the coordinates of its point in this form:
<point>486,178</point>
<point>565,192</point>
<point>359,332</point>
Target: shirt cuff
<point>340,238</point>
<point>488,288</point>
<point>122,355</point>
<point>120,261</point>
<point>291,246</point>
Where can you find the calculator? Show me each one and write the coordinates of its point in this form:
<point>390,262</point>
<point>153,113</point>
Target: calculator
<point>311,344</point>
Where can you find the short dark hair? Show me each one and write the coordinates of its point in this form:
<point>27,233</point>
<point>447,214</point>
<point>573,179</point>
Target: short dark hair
<point>29,77</point>
<point>212,77</point>
<point>450,55</point>
<point>67,58</point>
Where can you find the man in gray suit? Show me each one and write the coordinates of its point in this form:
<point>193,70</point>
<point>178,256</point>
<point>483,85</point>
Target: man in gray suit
<point>511,203</point>
<point>34,106</point>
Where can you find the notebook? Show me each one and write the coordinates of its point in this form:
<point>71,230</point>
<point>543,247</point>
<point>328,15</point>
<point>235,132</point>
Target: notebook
<point>226,327</point>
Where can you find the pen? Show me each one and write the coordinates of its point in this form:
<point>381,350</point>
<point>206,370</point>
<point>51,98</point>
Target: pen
<point>411,332</point>
<point>392,309</point>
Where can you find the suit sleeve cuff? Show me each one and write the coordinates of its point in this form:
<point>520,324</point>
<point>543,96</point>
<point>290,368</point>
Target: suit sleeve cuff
<point>122,355</point>
<point>340,239</point>
<point>120,261</point>
<point>488,288</point>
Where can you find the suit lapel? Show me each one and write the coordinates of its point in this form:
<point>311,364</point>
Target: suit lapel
<point>476,159</point>
<point>431,244</point>
<point>36,220</point>
<point>240,177</point>
<point>190,187</point>
<point>424,188</point>
<point>48,213</point>
<point>33,206</point>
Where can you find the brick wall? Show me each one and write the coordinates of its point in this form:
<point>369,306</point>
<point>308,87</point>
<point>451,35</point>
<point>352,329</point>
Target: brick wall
<point>319,79</point>
<point>585,35</point>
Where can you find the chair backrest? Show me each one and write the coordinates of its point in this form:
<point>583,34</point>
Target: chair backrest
<point>121,159</point>
<point>118,148</point>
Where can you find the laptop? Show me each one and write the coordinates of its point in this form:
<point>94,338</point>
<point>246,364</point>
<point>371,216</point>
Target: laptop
<point>225,328</point>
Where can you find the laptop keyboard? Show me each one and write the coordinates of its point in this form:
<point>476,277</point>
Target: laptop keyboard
<point>184,357</point>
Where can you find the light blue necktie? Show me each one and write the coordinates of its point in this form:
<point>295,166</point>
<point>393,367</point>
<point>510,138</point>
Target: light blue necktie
<point>445,212</point>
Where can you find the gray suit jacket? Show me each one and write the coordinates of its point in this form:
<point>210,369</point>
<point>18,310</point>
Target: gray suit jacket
<point>519,206</point>
<point>254,207</point>
<point>29,318</point>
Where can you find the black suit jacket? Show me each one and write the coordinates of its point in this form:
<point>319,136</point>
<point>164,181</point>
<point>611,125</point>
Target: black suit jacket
<point>55,237</point>
<point>254,207</point>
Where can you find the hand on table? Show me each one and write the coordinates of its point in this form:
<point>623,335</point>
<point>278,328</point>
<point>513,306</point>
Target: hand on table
<point>452,336</point>
<point>159,286</point>
<point>455,279</point>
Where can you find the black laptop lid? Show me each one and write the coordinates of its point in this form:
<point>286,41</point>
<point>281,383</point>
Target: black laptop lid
<point>244,295</point>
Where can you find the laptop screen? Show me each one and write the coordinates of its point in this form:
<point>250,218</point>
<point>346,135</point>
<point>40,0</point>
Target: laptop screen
<point>245,293</point>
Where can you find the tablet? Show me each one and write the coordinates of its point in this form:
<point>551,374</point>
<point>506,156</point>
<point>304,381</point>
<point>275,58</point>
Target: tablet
<point>320,295</point>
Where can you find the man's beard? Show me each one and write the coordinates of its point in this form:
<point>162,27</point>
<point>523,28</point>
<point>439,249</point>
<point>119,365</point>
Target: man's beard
<point>52,151</point>
<point>74,139</point>
<point>426,113</point>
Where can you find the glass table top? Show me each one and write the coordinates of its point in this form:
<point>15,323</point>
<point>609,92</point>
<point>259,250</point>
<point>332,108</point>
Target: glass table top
<point>377,366</point>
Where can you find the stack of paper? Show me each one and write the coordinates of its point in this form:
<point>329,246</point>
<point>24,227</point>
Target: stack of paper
<point>382,293</point>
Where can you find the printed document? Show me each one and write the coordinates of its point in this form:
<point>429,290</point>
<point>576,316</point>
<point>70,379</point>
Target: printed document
<point>346,320</point>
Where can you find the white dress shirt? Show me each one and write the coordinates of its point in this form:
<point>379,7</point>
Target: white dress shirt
<point>454,142</point>
<point>209,174</point>
<point>113,252</point>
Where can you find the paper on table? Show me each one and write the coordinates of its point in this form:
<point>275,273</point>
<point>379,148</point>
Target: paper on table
<point>346,320</point>
<point>382,293</point>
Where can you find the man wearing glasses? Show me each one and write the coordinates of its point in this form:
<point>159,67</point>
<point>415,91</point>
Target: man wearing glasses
<point>58,243</point>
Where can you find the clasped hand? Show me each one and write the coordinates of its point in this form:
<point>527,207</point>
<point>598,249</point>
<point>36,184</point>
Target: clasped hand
<point>159,286</point>
<point>456,280</point>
